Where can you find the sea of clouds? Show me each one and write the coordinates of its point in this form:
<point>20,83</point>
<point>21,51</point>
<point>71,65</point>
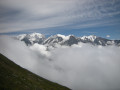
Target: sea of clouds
<point>79,67</point>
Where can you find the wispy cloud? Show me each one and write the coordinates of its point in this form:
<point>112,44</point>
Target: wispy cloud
<point>17,15</point>
<point>107,36</point>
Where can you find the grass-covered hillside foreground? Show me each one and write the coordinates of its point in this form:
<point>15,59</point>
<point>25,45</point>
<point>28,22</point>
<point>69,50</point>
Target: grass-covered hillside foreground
<point>13,77</point>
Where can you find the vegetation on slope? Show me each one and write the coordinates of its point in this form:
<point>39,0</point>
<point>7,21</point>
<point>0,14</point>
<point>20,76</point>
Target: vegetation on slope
<point>13,77</point>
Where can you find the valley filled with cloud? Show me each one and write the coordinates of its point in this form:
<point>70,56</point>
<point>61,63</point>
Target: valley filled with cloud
<point>79,67</point>
<point>79,46</point>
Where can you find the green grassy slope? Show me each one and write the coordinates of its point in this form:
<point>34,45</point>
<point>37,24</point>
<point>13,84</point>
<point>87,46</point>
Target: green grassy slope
<point>13,77</point>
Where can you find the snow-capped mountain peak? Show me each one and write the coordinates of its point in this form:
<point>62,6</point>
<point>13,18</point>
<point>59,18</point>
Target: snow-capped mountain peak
<point>31,38</point>
<point>38,35</point>
<point>60,39</point>
<point>35,36</point>
<point>54,39</point>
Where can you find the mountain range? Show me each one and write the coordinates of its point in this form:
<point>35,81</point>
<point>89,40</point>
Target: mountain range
<point>69,40</point>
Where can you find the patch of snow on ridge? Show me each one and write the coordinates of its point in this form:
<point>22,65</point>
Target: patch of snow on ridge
<point>110,42</point>
<point>63,37</point>
<point>39,35</point>
<point>91,38</point>
<point>21,36</point>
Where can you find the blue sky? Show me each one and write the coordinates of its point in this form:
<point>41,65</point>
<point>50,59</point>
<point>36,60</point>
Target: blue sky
<point>77,17</point>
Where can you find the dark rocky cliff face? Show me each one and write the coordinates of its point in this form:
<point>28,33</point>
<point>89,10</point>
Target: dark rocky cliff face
<point>72,40</point>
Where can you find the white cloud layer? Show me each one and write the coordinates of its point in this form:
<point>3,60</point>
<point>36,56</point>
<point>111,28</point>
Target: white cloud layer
<point>17,15</point>
<point>79,67</point>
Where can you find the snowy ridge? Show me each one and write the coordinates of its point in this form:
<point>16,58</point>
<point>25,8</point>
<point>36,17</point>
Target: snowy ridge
<point>91,38</point>
<point>56,39</point>
<point>69,40</point>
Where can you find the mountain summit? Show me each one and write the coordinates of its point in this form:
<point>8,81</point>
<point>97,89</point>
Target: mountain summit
<point>31,38</point>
